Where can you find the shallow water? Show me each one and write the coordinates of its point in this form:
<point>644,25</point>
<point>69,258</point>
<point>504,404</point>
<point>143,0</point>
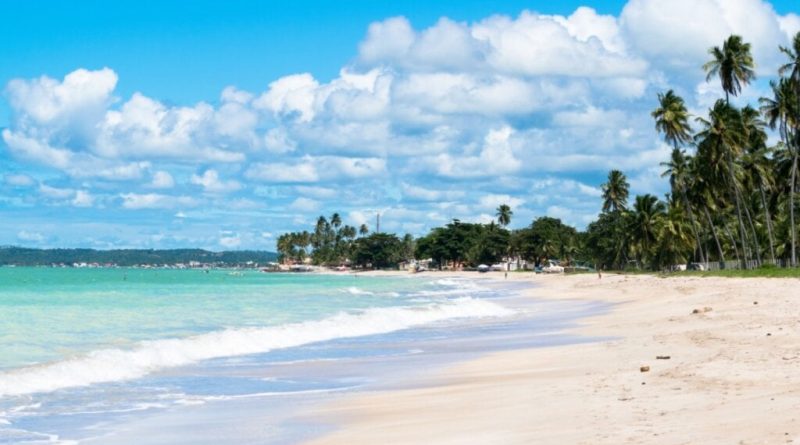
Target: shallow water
<point>181,356</point>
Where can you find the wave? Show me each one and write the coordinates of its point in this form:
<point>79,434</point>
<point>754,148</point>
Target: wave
<point>352,290</point>
<point>110,365</point>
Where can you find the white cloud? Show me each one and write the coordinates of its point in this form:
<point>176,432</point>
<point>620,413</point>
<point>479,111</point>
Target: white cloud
<point>82,199</point>
<point>230,241</point>
<point>290,96</point>
<point>492,201</point>
<point>162,180</point>
<point>211,182</point>
<point>18,180</point>
<point>283,172</point>
<point>34,237</point>
<point>495,158</point>
<point>136,201</point>
<point>678,33</point>
<point>790,24</point>
<point>61,103</point>
<point>303,204</point>
<point>313,169</point>
<point>317,192</point>
<point>420,193</point>
<point>55,192</point>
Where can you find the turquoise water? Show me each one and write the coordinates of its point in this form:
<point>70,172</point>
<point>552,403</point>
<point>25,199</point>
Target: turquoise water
<point>83,351</point>
<point>49,314</point>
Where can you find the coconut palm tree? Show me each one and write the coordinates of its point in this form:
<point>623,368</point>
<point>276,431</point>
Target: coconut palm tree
<point>504,215</point>
<point>672,119</point>
<point>644,226</point>
<point>792,67</point>
<point>615,192</point>
<point>733,64</point>
<point>720,142</point>
<point>783,112</point>
<point>336,220</point>
<point>363,230</point>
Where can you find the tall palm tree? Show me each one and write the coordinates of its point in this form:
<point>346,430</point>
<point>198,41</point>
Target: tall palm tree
<point>733,63</point>
<point>782,111</point>
<point>720,142</point>
<point>615,192</point>
<point>504,215</point>
<point>363,230</point>
<point>672,119</point>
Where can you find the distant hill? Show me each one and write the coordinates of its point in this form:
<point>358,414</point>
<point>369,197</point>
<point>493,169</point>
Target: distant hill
<point>22,256</point>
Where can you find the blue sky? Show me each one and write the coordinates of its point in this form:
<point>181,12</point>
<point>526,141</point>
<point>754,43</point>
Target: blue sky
<point>223,124</point>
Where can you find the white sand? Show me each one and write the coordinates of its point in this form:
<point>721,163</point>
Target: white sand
<point>727,381</point>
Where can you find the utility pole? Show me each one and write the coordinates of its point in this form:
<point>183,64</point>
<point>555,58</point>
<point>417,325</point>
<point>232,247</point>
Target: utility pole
<point>377,223</point>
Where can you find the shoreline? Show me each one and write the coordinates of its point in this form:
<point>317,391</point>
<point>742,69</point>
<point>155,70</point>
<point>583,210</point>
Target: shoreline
<point>730,377</point>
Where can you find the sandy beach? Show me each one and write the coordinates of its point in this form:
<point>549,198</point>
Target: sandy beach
<point>732,376</point>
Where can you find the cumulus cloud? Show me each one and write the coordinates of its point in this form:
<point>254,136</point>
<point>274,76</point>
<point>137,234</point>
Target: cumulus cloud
<point>162,180</point>
<point>426,124</point>
<point>678,33</point>
<point>211,182</point>
<point>495,158</point>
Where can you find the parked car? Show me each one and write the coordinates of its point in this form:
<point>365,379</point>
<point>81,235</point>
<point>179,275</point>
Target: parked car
<point>552,267</point>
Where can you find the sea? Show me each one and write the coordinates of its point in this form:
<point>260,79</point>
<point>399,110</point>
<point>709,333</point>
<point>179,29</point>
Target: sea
<point>164,356</point>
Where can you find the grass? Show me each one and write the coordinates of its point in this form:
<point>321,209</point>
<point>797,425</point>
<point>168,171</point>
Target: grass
<point>761,272</point>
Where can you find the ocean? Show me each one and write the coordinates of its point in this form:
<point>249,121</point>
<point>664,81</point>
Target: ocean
<point>188,356</point>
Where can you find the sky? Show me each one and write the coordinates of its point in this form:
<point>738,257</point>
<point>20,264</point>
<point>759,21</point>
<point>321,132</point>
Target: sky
<point>221,125</point>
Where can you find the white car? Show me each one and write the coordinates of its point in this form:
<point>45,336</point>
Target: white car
<point>552,268</point>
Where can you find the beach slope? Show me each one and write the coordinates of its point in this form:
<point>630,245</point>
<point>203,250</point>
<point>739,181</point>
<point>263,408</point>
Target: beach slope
<point>732,375</point>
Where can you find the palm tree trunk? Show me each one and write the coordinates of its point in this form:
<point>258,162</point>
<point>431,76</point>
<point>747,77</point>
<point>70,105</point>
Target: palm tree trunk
<point>768,219</point>
<point>791,210</point>
<point>716,238</point>
<point>742,231</point>
<point>733,242</point>
<point>694,224</point>
<point>756,244</point>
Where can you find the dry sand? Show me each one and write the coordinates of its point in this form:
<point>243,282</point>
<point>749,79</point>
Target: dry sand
<point>733,376</point>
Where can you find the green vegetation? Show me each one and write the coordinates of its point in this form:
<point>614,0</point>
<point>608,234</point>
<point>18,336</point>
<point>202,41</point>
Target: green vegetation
<point>20,256</point>
<point>732,197</point>
<point>760,272</point>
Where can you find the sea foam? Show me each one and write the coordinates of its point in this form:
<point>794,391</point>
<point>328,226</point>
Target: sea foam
<point>110,365</point>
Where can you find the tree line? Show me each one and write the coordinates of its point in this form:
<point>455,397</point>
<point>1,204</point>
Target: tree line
<point>732,195</point>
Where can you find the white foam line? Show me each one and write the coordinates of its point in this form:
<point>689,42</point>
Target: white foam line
<point>110,365</point>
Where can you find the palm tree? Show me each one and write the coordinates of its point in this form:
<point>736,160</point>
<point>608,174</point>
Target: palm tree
<point>644,227</point>
<point>733,63</point>
<point>615,192</point>
<point>792,67</point>
<point>672,119</point>
<point>336,220</point>
<point>504,215</point>
<point>782,111</point>
<point>363,230</point>
<point>720,142</point>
